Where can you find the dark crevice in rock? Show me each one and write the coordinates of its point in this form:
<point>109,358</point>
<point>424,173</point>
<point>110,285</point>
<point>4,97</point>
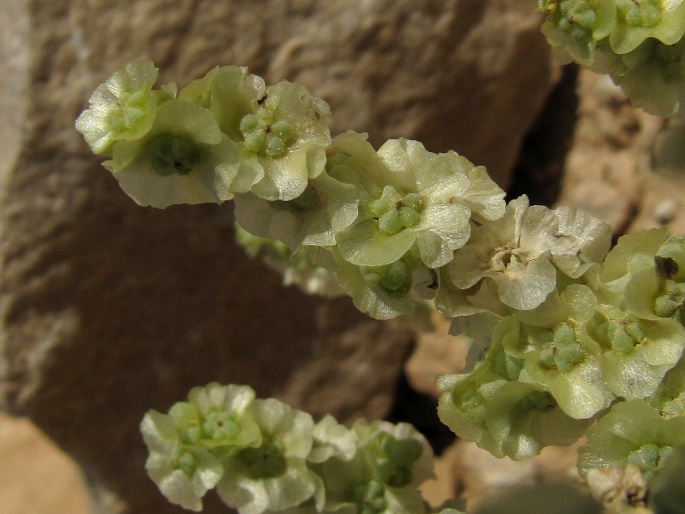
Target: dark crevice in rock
<point>420,410</point>
<point>539,170</point>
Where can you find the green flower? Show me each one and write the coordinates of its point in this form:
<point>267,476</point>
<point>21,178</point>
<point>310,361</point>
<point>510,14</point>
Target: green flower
<point>183,158</point>
<point>573,27</point>
<point>183,472</point>
<point>273,476</point>
<point>636,352</point>
<point>670,396</point>
<point>381,475</point>
<point>632,432</point>
<point>282,130</point>
<point>652,75</point>
<point>655,288</point>
<point>558,355</point>
<point>121,109</point>
<point>505,416</point>
<point>225,419</point>
<point>638,20</point>
<point>524,418</point>
<point>667,495</point>
<point>230,93</point>
<point>631,253</point>
<point>187,445</point>
<point>651,296</point>
<point>464,401</point>
<point>285,141</point>
<point>326,207</point>
<point>400,455</point>
<point>383,292</point>
<point>412,196</point>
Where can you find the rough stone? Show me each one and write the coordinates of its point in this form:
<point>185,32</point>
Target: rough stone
<point>608,165</point>
<point>35,477</point>
<point>436,353</point>
<point>108,309</point>
<point>476,475</point>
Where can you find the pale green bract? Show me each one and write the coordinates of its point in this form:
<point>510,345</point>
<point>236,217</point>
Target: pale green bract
<point>183,158</point>
<point>632,432</point>
<point>325,208</point>
<point>521,252</point>
<point>639,43</point>
<point>121,109</point>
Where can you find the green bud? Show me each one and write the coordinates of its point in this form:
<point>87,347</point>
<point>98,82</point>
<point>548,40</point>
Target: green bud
<point>568,357</point>
<point>645,13</point>
<point>408,217</point>
<point>547,357</point>
<point>275,146</point>
<point>672,299</point>
<point>220,425</point>
<point>647,457</point>
<point>370,497</point>
<point>414,201</point>
<point>249,123</point>
<point>376,208</point>
<point>187,462</point>
<point>538,400</point>
<point>267,461</point>
<point>255,141</point>
<point>390,223</point>
<point>282,129</point>
<point>564,335</point>
<point>675,407</point>
<point>265,116</point>
<point>622,342</point>
<point>397,279</point>
<point>173,154</point>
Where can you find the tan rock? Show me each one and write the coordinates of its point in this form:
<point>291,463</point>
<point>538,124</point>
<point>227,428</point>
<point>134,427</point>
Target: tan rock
<point>436,353</point>
<point>475,475</point>
<point>36,477</point>
<point>608,171</point>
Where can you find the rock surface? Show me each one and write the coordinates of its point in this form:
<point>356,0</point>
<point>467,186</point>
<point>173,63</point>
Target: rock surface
<point>108,309</point>
<point>35,477</point>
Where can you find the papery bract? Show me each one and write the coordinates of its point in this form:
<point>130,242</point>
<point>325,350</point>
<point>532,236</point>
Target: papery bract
<point>183,158</point>
<point>122,108</point>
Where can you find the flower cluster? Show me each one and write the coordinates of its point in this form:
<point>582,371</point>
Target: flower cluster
<point>262,455</point>
<point>223,134</point>
<point>384,221</point>
<point>565,330</point>
<point>609,340</point>
<point>639,43</point>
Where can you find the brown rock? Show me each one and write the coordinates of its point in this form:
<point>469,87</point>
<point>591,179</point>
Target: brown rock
<point>109,309</point>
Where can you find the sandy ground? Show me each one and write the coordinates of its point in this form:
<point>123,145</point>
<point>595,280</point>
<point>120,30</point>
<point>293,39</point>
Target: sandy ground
<point>35,476</point>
